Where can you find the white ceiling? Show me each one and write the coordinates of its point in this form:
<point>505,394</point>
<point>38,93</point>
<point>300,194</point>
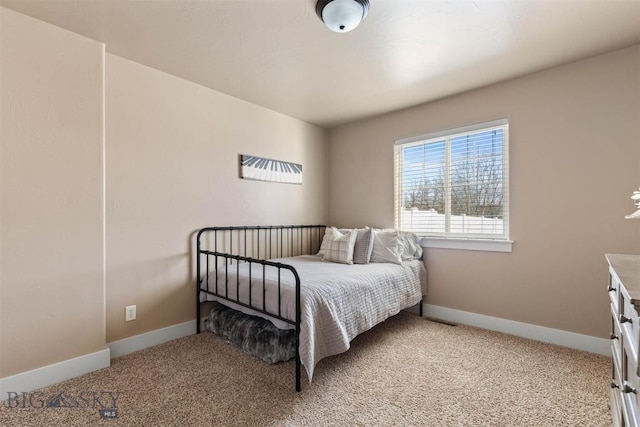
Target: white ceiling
<point>278,54</point>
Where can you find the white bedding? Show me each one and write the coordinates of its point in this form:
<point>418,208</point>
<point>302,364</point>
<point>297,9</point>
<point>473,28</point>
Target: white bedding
<point>338,301</point>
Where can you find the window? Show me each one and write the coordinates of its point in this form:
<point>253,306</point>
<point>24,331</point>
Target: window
<point>454,184</point>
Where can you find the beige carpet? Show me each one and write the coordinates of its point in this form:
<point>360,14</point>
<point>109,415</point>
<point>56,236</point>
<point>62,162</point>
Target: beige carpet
<point>406,371</point>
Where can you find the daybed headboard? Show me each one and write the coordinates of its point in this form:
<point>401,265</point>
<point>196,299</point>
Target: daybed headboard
<point>225,246</point>
<point>262,241</point>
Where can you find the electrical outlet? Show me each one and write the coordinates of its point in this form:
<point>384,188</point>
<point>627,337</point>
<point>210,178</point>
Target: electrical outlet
<point>129,313</point>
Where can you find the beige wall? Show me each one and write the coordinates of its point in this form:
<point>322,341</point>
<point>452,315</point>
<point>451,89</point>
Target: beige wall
<point>51,195</point>
<point>171,155</point>
<point>574,159</point>
<point>172,168</point>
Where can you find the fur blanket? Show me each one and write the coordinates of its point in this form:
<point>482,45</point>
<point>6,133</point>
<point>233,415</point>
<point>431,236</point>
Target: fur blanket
<point>254,335</point>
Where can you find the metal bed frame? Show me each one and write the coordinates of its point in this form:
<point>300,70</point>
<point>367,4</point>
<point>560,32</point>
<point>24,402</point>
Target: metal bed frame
<point>226,247</point>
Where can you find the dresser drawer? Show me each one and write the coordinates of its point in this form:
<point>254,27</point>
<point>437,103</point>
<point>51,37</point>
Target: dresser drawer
<point>615,396</point>
<point>613,288</point>
<point>616,338</point>
<point>629,326</point>
<point>629,411</point>
<point>630,389</point>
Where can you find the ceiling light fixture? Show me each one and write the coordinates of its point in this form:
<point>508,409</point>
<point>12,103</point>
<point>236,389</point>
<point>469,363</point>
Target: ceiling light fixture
<point>342,16</point>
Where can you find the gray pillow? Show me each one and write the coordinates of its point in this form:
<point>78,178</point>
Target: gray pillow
<point>363,248</point>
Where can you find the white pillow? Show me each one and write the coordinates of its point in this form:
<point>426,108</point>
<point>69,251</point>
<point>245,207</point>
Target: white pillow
<point>340,246</point>
<point>410,248</point>
<point>386,247</point>
<point>323,245</point>
<point>325,238</point>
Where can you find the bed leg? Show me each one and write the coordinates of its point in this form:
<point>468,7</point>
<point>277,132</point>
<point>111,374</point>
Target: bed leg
<point>421,307</point>
<point>298,372</point>
<point>198,315</point>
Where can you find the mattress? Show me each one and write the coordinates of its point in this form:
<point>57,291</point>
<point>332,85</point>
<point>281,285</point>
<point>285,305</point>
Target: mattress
<point>338,301</point>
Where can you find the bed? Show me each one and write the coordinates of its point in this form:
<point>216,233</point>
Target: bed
<point>321,284</point>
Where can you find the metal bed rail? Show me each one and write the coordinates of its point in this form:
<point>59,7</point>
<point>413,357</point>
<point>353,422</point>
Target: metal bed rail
<point>228,247</point>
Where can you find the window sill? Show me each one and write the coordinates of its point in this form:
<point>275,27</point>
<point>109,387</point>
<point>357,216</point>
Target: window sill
<point>467,244</point>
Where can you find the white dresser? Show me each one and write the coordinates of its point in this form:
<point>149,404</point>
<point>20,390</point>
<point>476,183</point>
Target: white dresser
<point>624,295</point>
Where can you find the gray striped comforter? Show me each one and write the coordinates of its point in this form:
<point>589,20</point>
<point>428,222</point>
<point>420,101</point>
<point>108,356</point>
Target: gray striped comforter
<point>338,301</point>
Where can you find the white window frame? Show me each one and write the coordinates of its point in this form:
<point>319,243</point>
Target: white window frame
<point>492,242</point>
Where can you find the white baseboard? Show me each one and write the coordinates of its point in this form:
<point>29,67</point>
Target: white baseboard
<point>55,373</point>
<point>149,339</point>
<point>539,333</point>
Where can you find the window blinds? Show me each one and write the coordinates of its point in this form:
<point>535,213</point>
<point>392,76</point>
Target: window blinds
<point>454,183</point>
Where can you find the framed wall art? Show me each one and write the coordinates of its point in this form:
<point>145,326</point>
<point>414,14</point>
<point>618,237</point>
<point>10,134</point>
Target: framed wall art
<point>262,169</point>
